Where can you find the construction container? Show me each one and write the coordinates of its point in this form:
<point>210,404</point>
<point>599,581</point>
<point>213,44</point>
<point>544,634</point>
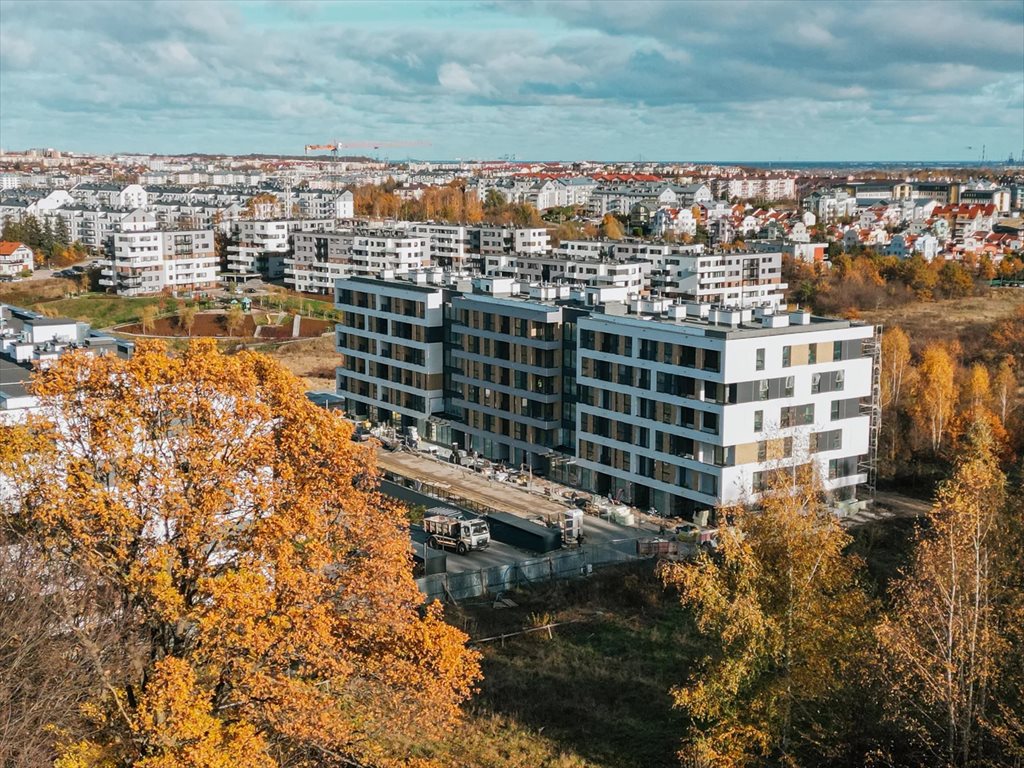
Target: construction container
<point>523,534</point>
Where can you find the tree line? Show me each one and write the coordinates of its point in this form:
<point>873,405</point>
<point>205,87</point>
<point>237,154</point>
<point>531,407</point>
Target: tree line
<point>809,666</point>
<point>51,243</point>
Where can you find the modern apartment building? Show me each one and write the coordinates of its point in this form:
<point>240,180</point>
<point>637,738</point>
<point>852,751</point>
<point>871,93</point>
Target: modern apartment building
<point>146,260</point>
<point>726,278</point>
<point>391,335</point>
<point>676,407</point>
<point>317,260</point>
<point>511,385</point>
<point>263,244</point>
<point>690,409</point>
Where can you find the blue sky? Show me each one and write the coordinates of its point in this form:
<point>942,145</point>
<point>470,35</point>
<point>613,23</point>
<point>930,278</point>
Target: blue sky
<point>756,80</point>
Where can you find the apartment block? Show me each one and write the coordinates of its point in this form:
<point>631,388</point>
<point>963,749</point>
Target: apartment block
<point>144,261</point>
<point>726,278</point>
<point>508,396</point>
<point>317,260</point>
<point>690,410</point>
<point>263,244</point>
<point>676,407</point>
<point>391,335</point>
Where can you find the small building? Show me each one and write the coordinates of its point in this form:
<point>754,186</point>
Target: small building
<point>15,258</point>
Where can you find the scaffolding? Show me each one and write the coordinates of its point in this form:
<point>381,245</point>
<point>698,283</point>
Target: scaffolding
<point>869,463</point>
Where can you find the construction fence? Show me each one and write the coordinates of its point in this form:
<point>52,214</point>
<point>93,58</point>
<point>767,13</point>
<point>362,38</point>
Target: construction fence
<point>564,564</point>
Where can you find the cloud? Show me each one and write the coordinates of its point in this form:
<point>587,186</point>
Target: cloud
<point>550,79</point>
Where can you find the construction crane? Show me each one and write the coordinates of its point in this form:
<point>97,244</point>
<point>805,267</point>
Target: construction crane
<point>336,146</point>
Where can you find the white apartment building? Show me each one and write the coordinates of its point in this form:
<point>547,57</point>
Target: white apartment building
<point>373,252</point>
<point>729,279</point>
<point>263,244</point>
<point>756,188</point>
<point>144,260</point>
<point>487,240</point>
<point>449,243</point>
<point>316,204</point>
<point>119,196</point>
<point>690,410</point>
<point>317,259</point>
<point>597,272</point>
<point>392,338</point>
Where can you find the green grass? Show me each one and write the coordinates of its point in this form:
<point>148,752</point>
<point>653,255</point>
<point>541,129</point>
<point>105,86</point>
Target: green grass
<point>101,310</point>
<point>595,694</point>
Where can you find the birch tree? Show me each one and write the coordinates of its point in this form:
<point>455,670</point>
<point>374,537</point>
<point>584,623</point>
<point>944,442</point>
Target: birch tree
<point>787,622</point>
<point>941,642</point>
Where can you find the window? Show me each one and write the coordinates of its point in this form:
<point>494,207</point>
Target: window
<point>815,383</point>
<point>808,415</point>
<point>835,409</point>
<point>837,350</point>
<point>758,421</point>
<point>839,381</point>
<point>788,390</point>
<point>709,423</point>
<point>759,365</point>
<point>762,450</point>
<point>812,354</point>
<point>759,482</point>
<point>762,389</point>
<point>787,447</point>
<point>787,356</point>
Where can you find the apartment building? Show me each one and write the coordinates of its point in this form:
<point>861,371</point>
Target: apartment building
<point>673,406</point>
<point>29,341</point>
<point>374,251</point>
<point>449,244</point>
<point>630,274</point>
<point>690,409</point>
<point>392,337</point>
<point>755,188</point>
<point>144,260</point>
<point>263,244</point>
<point>731,279</point>
<point>512,383</point>
<point>493,240</point>
<point>317,260</point>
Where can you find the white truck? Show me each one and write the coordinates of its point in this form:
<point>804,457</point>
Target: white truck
<point>449,529</point>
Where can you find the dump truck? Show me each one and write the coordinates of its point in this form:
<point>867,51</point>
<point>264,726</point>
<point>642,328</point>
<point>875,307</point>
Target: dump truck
<point>450,529</point>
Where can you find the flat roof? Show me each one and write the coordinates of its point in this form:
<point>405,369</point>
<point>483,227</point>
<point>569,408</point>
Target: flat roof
<point>722,330</point>
<point>13,378</point>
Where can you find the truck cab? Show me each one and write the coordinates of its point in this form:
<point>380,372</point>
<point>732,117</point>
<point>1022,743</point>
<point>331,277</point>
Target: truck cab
<point>454,531</point>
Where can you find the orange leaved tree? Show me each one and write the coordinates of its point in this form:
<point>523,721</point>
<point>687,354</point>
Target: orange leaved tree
<point>230,532</point>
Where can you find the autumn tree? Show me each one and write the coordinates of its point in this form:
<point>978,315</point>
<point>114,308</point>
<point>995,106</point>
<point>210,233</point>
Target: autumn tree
<point>234,318</point>
<point>786,621</point>
<point>611,227</point>
<point>231,532</point>
<point>941,641</point>
<point>187,317</point>
<point>935,393</point>
<point>1004,389</point>
<point>147,317</point>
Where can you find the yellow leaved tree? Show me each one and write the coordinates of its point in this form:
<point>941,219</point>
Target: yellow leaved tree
<point>787,623</point>
<point>945,640</point>
<point>227,533</point>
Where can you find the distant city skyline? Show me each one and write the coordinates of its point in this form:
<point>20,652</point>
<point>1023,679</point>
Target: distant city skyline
<point>744,82</point>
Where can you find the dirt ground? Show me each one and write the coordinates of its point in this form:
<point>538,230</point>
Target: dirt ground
<point>312,360</point>
<point>213,324</point>
<point>969,319</point>
<point>206,324</point>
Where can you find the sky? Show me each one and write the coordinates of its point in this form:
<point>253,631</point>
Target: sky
<point>624,80</point>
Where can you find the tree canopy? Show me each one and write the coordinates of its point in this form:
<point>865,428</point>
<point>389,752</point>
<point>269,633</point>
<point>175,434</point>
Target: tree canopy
<point>240,591</point>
